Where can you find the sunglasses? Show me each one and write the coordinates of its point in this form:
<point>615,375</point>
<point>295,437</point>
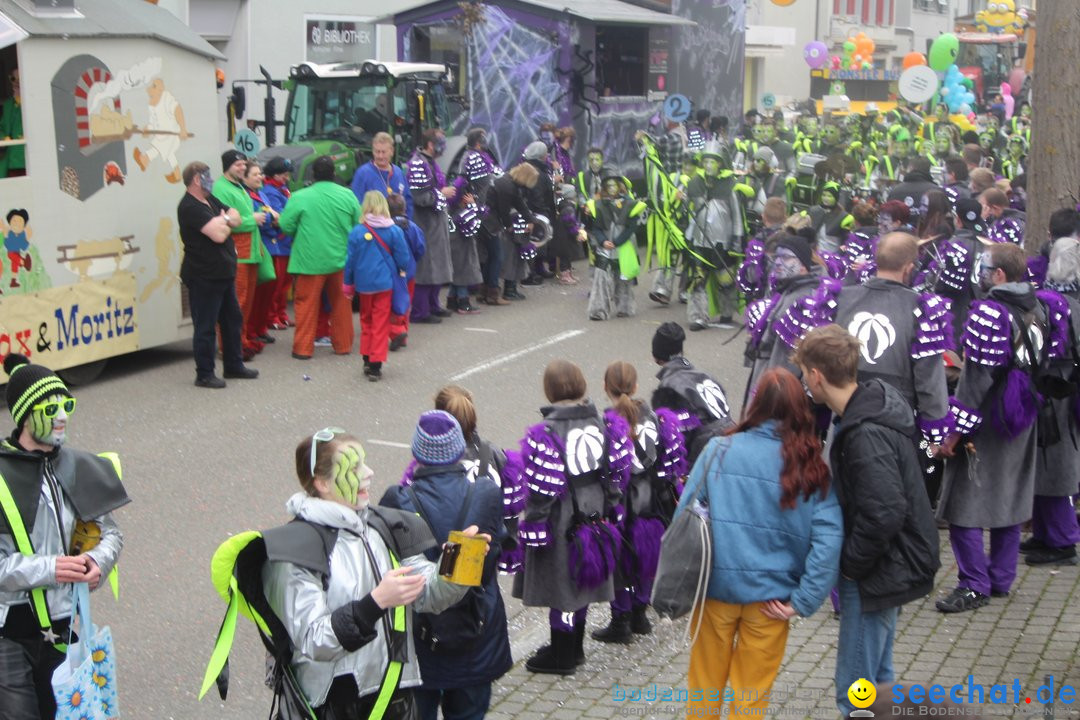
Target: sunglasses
<point>324,435</point>
<point>50,408</point>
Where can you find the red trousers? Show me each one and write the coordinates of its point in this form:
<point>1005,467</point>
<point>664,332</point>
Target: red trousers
<point>260,310</point>
<point>375,325</point>
<point>280,298</point>
<point>399,324</point>
<point>306,304</point>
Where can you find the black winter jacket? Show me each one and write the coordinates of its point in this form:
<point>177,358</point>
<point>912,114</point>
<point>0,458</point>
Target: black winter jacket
<point>503,197</point>
<point>890,537</point>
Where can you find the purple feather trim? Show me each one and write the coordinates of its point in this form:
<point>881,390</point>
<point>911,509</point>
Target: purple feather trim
<point>407,476</point>
<point>934,329</point>
<point>987,337</point>
<point>752,271</point>
<point>835,264</point>
<point>1059,318</point>
<point>860,247</point>
<point>646,534</point>
<point>805,314</point>
<point>757,317</point>
<point>542,458</point>
<point>672,460</point>
<point>935,431</point>
<point>512,561</point>
<point>967,420</point>
<point>592,554</point>
<point>687,421</point>
<point>1037,267</point>
<point>1006,229</point>
<point>534,534</point>
<point>1019,405</point>
<point>956,266</point>
<point>515,492</point>
<point>620,449</point>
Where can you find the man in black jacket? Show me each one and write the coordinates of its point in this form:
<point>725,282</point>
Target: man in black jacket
<point>917,182</point>
<point>890,551</point>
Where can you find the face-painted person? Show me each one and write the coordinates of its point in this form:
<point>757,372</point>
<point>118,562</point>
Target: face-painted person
<point>59,504</point>
<point>338,619</point>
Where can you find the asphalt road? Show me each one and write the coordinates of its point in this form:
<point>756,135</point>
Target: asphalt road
<point>201,464</point>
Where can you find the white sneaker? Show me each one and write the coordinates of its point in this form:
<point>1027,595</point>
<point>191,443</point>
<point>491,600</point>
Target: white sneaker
<point>323,342</point>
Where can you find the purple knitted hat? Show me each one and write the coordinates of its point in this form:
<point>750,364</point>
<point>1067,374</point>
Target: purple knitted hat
<point>438,439</point>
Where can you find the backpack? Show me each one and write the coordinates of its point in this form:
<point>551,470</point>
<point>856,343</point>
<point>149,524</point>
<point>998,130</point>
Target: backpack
<point>236,572</point>
<point>461,626</point>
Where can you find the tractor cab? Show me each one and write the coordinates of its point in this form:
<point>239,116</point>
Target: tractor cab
<point>337,109</point>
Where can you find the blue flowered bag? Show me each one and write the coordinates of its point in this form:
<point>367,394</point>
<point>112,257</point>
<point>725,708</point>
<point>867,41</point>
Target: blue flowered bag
<point>85,682</point>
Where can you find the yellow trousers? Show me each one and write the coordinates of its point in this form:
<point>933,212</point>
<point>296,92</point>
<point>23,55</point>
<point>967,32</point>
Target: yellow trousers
<point>740,645</point>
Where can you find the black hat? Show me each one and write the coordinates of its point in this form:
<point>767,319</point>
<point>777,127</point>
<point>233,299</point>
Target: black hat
<point>799,247</point>
<point>229,157</point>
<point>28,384</point>
<point>969,211</point>
<point>668,341</point>
<point>278,165</point>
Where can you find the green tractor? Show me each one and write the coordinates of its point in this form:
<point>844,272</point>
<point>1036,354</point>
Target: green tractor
<point>336,109</point>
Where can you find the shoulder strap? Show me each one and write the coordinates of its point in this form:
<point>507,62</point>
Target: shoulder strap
<point>387,255</point>
<point>26,547</point>
<point>486,459</point>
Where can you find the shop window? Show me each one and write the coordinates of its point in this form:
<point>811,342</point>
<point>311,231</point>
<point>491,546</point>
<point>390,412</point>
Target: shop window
<point>621,60</point>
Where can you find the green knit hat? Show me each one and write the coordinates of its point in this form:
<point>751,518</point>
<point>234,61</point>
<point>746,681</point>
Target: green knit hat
<point>29,384</point>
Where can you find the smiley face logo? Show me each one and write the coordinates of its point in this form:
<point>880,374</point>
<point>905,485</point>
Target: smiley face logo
<point>862,693</point>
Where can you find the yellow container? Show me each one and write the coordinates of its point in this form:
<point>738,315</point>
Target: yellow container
<point>463,559</point>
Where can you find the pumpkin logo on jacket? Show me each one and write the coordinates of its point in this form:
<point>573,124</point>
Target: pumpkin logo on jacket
<point>1035,337</point>
<point>875,334</point>
<point>714,399</point>
<point>584,449</point>
<point>472,471</point>
<point>647,435</point>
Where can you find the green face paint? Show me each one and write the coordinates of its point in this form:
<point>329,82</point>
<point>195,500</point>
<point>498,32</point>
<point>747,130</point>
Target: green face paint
<point>350,483</point>
<point>45,429</point>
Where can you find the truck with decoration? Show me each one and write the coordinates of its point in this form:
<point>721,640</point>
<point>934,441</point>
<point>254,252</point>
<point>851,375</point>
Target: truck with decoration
<point>102,118</point>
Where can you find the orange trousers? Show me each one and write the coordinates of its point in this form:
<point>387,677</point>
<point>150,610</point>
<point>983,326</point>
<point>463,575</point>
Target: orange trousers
<point>246,276</point>
<point>737,644</point>
<point>306,301</point>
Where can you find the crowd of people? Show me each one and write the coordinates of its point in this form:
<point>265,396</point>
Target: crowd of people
<point>909,368</point>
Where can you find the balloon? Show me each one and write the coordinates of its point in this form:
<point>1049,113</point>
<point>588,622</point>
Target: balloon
<point>857,59</point>
<point>968,83</point>
<point>836,62</point>
<point>845,64</point>
<point>1016,80</point>
<point>849,47</point>
<point>965,109</point>
<point>944,91</point>
<point>913,59</point>
<point>868,66</point>
<point>816,54</point>
<point>943,51</point>
<point>870,46</point>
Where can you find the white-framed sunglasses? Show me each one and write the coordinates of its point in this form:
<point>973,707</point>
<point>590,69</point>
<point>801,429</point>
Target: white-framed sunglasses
<point>325,435</point>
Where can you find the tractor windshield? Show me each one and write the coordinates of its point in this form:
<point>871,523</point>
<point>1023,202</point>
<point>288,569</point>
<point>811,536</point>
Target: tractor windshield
<point>349,106</point>
<point>992,58</point>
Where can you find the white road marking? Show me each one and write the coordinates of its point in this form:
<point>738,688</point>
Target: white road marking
<point>487,330</point>
<point>389,443</point>
<point>511,356</point>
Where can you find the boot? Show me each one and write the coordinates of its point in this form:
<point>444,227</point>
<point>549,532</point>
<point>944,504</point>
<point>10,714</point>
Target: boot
<point>557,658</point>
<point>579,644</point>
<point>464,307</point>
<point>494,297</point>
<point>617,631</point>
<point>639,620</point>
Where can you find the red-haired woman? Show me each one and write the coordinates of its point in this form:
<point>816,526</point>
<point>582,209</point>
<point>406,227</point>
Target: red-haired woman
<point>776,530</point>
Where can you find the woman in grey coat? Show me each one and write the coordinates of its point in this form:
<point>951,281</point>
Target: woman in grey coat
<point>575,464</point>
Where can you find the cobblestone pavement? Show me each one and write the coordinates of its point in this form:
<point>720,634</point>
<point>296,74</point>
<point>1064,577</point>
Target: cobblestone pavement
<point>1031,634</point>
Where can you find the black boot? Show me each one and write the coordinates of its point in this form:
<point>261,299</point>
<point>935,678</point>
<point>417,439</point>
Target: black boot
<point>579,644</point>
<point>617,631</point>
<point>554,659</point>
<point>639,620</point>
